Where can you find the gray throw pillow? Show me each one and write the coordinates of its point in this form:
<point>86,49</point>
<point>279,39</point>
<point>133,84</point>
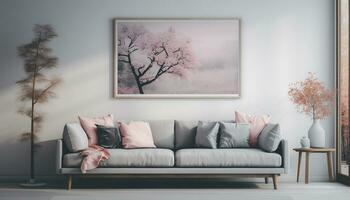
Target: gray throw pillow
<point>185,134</point>
<point>270,137</point>
<point>234,135</point>
<point>108,137</point>
<point>75,137</point>
<point>206,135</point>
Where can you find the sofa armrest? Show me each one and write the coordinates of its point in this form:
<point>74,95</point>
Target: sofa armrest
<point>59,155</point>
<point>283,150</point>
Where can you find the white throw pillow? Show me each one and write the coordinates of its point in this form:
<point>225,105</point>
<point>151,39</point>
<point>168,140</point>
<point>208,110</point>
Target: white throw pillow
<point>75,137</point>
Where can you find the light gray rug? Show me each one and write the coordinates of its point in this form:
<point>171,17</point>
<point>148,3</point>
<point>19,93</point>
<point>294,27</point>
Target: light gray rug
<point>171,196</point>
<point>215,194</point>
<point>140,190</point>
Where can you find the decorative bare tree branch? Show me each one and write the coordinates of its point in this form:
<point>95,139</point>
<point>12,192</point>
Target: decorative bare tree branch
<point>36,87</point>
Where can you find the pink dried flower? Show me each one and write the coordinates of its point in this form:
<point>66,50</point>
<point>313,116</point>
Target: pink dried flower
<point>311,97</point>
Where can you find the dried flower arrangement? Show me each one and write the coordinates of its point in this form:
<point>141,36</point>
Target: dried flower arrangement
<point>312,97</point>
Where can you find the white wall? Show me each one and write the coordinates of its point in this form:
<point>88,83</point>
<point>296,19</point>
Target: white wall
<point>282,40</point>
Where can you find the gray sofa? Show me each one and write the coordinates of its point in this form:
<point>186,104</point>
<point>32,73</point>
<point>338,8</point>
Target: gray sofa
<point>177,156</point>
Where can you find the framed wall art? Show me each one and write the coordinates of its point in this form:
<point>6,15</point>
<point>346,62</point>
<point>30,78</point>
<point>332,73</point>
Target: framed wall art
<point>176,58</point>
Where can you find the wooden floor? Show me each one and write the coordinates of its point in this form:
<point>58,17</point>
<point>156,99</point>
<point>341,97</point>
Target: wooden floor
<point>177,190</point>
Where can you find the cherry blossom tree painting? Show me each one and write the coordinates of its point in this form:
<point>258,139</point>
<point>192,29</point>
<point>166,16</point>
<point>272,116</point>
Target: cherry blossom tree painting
<point>176,58</point>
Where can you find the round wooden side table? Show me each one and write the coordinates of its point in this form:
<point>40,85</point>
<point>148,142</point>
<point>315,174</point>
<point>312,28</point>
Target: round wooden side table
<point>309,151</point>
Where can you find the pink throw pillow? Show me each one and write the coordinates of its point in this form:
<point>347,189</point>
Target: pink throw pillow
<point>89,126</point>
<point>136,134</point>
<point>257,124</point>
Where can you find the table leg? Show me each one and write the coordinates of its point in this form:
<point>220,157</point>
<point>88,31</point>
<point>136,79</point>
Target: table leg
<point>266,180</point>
<point>307,167</point>
<point>299,163</point>
<point>330,166</point>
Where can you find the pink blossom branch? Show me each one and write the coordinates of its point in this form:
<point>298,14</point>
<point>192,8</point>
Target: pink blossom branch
<point>311,97</point>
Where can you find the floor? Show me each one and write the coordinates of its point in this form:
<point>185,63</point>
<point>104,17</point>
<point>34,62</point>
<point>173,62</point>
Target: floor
<point>177,190</point>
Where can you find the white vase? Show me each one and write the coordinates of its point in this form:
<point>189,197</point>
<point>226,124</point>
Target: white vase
<point>317,135</point>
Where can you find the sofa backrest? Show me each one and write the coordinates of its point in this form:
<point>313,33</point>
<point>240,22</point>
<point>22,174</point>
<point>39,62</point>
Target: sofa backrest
<point>162,131</point>
<point>173,134</point>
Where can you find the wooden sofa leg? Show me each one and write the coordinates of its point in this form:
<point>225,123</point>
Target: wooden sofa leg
<point>69,182</point>
<point>266,180</point>
<point>274,179</point>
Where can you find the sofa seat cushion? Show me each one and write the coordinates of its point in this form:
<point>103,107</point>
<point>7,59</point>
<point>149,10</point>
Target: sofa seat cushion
<point>240,157</point>
<point>128,158</point>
